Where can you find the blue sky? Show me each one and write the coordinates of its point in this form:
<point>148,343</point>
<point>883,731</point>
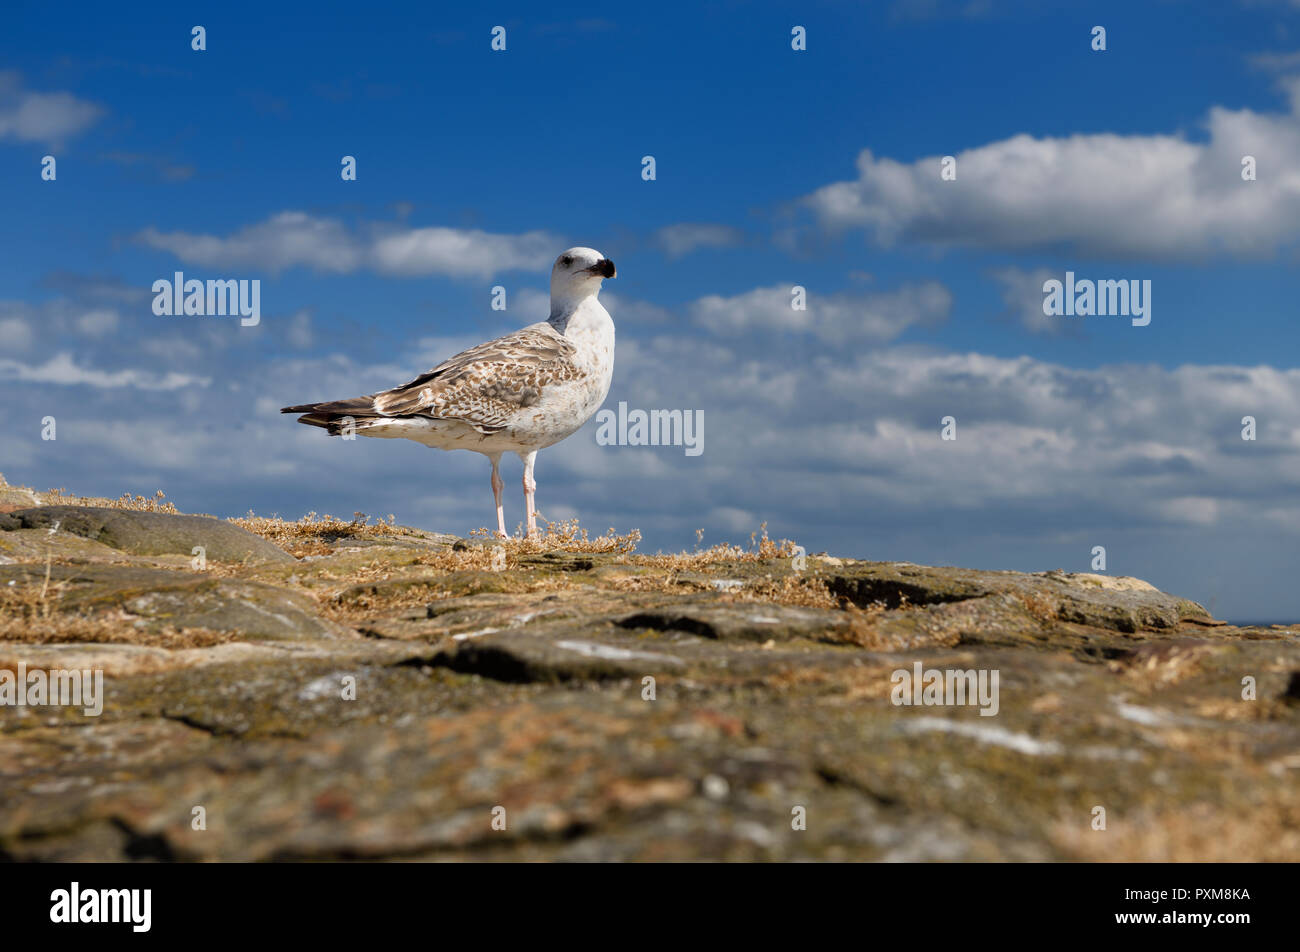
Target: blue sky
<point>924,296</point>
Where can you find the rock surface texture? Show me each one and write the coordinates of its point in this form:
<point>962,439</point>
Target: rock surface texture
<point>396,694</point>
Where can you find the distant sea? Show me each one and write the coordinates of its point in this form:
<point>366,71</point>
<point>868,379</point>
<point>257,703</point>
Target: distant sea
<point>1263,624</point>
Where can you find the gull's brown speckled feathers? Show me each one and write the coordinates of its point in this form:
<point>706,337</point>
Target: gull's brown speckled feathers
<point>484,387</point>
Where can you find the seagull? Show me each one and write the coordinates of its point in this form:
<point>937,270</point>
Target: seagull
<point>516,394</point>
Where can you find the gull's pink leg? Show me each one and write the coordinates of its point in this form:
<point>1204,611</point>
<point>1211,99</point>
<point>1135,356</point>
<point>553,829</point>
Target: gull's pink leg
<point>497,486</point>
<point>530,488</point>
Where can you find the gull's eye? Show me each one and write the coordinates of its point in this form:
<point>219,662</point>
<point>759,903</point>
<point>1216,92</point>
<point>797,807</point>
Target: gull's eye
<point>566,260</point>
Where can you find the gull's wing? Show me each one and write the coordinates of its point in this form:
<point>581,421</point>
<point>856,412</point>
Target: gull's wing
<point>483,387</point>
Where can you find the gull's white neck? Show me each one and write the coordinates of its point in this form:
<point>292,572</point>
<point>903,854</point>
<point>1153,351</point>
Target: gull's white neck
<point>588,325</point>
<point>571,315</point>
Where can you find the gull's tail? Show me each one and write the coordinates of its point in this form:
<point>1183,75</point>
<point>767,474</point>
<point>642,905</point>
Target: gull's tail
<point>334,415</point>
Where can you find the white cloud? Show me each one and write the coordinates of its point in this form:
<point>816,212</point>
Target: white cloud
<point>1276,62</point>
<point>295,239</point>
<point>529,305</point>
<point>733,519</point>
<point>62,369</point>
<point>159,443</point>
<point>1114,445</point>
<point>285,240</point>
<point>1105,194</point>
<point>299,332</point>
<point>49,118</point>
<point>1022,292</point>
<point>631,312</point>
<point>835,318</point>
<point>96,288</point>
<point>172,349</point>
<point>461,253</point>
<point>15,335</point>
<point>678,240</point>
<point>53,321</point>
<point>98,322</point>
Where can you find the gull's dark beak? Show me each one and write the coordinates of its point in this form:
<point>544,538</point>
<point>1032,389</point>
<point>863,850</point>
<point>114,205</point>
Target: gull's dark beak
<point>605,268</point>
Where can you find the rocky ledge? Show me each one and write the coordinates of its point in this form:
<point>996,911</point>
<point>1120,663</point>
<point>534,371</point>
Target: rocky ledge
<point>329,690</point>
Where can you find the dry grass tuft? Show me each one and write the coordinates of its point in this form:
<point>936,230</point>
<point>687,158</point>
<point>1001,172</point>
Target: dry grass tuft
<point>565,536</point>
<point>503,558</point>
<point>789,590</point>
<point>60,497</point>
<point>761,550</point>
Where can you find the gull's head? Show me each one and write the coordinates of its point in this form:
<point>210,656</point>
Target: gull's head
<point>578,272</point>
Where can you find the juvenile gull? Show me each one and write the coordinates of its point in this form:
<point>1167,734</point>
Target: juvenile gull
<point>517,394</point>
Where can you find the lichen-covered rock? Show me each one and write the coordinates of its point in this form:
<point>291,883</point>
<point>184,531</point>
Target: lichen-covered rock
<point>33,545</point>
<point>149,533</point>
<point>1122,604</point>
<point>388,697</point>
<point>150,599</point>
<point>13,497</point>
